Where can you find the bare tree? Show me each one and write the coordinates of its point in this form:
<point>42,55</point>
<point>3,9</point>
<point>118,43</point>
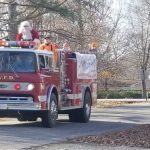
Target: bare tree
<point>140,38</point>
<point>113,49</point>
<point>79,21</point>
<point>15,11</point>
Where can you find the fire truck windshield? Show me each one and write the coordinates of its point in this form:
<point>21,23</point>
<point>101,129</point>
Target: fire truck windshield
<point>17,61</point>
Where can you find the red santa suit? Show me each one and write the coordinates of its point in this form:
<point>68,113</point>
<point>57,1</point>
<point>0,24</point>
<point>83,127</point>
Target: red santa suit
<point>26,32</point>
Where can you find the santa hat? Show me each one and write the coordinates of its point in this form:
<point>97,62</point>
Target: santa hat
<point>23,24</point>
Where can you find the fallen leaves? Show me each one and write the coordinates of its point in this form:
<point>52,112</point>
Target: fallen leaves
<point>134,137</point>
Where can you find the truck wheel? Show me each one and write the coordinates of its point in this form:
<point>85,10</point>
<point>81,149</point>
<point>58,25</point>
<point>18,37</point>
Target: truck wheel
<point>86,110</point>
<point>50,116</point>
<point>83,114</point>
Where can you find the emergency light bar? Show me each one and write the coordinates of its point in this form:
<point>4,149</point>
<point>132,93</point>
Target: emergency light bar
<point>22,44</point>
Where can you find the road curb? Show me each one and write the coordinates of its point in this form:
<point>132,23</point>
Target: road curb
<point>124,100</point>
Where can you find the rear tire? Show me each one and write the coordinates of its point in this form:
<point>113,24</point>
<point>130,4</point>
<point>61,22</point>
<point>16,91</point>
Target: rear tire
<point>49,117</point>
<point>82,114</point>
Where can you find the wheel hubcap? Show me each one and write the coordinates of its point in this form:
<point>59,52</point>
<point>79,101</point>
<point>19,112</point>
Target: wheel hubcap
<point>88,108</point>
<point>53,110</point>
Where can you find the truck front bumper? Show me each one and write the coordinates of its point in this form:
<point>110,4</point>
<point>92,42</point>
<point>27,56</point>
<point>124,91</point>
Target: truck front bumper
<point>19,105</point>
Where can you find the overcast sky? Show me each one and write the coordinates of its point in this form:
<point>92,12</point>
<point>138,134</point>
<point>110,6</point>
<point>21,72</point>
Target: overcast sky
<point>121,4</point>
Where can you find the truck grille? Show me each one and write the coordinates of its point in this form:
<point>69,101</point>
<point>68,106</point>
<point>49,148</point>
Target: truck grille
<point>14,98</point>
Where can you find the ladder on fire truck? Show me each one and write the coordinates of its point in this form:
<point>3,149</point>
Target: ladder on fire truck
<point>63,77</point>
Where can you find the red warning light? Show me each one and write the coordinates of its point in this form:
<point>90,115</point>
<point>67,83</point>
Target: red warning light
<point>17,86</point>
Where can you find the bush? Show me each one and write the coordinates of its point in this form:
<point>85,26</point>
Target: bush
<point>101,94</point>
<point>119,94</point>
<point>115,94</point>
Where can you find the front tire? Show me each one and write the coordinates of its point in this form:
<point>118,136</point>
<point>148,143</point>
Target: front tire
<point>49,117</point>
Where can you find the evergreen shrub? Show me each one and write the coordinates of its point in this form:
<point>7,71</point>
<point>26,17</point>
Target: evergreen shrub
<point>119,94</point>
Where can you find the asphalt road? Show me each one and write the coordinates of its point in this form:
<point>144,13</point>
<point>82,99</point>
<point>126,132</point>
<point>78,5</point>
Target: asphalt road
<point>19,135</point>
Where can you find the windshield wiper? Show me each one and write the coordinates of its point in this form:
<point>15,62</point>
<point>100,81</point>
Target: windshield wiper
<point>12,68</point>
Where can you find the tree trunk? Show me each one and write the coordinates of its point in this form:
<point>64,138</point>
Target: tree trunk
<point>106,85</point>
<point>144,89</point>
<point>12,24</point>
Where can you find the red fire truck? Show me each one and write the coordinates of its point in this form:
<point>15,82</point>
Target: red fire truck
<point>32,86</point>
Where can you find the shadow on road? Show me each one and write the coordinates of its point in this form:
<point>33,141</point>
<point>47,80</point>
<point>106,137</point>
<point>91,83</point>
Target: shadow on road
<point>21,134</point>
<point>63,129</point>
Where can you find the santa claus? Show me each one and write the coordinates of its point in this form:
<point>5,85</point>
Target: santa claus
<point>27,33</point>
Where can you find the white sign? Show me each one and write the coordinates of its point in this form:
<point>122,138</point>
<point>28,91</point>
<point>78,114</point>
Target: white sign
<point>3,106</point>
<point>86,66</point>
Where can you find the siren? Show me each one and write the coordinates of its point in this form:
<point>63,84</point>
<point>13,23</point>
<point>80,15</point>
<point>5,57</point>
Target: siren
<point>22,44</point>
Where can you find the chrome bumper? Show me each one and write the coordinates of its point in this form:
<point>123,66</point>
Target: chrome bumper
<point>19,105</point>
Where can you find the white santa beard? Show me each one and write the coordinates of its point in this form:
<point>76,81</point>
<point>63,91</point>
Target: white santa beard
<point>26,34</point>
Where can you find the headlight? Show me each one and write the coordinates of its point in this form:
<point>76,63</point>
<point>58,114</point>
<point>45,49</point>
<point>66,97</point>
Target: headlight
<point>30,87</point>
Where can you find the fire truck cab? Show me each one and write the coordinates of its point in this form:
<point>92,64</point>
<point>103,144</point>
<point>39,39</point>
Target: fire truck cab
<point>32,86</point>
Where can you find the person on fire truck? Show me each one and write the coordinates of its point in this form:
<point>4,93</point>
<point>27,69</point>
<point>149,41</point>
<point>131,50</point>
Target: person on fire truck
<point>66,46</point>
<point>50,46</point>
<point>27,33</point>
